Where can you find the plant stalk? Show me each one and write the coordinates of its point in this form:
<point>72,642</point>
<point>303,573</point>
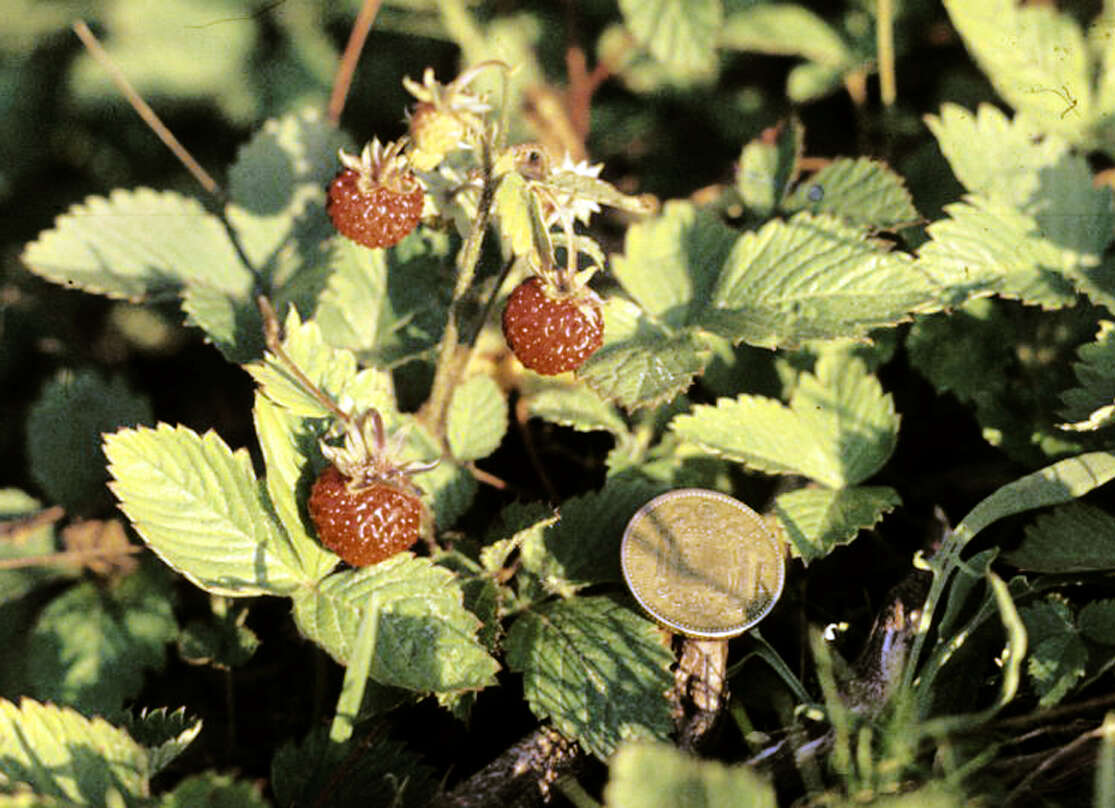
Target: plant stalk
<point>884,50</point>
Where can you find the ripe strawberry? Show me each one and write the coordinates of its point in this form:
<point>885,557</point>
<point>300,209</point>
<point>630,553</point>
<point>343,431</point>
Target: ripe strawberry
<point>363,524</point>
<point>552,330</point>
<point>364,506</point>
<point>375,200</point>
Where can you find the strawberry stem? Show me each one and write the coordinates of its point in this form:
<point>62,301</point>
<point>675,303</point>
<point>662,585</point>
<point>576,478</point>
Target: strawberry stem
<point>356,39</point>
<point>449,364</point>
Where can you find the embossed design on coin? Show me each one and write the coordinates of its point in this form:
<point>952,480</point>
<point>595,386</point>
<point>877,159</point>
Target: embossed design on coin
<point>702,563</point>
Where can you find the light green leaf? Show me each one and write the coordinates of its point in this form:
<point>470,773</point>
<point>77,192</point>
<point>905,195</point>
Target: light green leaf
<point>639,364</point>
<point>574,406</point>
<point>90,648</point>
<point>62,754</point>
<point>1076,537</point>
<point>515,211</point>
<point>516,523</point>
<point>1057,655</point>
<point>670,263</point>
<point>64,428</point>
<point>838,429</point>
<point>662,776</point>
<point>1096,373</point>
<point>449,486</point>
<point>768,165</point>
<point>861,192</point>
<point>596,669</point>
<point>137,245</point>
<point>785,29</point>
<point>813,278</point>
<point>812,80</point>
<point>987,247</point>
<point>214,790</point>
<point>477,419</point>
<point>388,305</point>
<point>1097,621</point>
<point>277,191</point>
<point>331,369</point>
<point>583,547</point>
<point>1035,57</point>
<point>177,49</point>
<point>681,34</point>
<point>426,639</point>
<point>1053,485</point>
<point>198,506</point>
<point>231,322</point>
<point>163,733</point>
<point>817,520</point>
<point>995,157</point>
<point>289,444</point>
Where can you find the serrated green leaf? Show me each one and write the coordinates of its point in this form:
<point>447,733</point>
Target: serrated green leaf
<point>515,524</point>
<point>681,34</point>
<point>1095,373</point>
<point>813,278</point>
<point>987,247</point>
<point>767,166</point>
<point>670,263</point>
<point>1035,57</point>
<point>583,547</point>
<point>90,648</point>
<point>596,669</point>
<point>641,365</point>
<point>861,192</point>
<point>816,520</point>
<point>426,639</point>
<point>64,427</point>
<point>449,486</point>
<point>477,419</point>
<point>137,245</point>
<point>1072,538</point>
<point>214,790</point>
<point>662,776</point>
<point>62,754</point>
<point>839,427</point>
<point>198,506</point>
<point>786,29</point>
<point>574,406</point>
<point>231,322</point>
<point>995,157</point>
<point>277,192</point>
<point>163,733</point>
<point>319,772</point>
<point>1057,655</point>
<point>1097,621</point>
<point>289,443</point>
<point>390,306</point>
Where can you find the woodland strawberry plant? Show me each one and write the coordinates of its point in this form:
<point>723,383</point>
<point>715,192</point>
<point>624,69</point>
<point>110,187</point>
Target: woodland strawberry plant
<point>479,343</point>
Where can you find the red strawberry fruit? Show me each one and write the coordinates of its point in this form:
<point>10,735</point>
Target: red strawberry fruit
<point>551,330</point>
<point>364,506</point>
<point>375,200</point>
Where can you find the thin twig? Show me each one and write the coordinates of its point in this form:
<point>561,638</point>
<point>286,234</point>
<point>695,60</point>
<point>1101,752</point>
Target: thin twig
<point>1020,790</point>
<point>356,39</point>
<point>15,529</point>
<point>145,112</point>
<point>67,557</point>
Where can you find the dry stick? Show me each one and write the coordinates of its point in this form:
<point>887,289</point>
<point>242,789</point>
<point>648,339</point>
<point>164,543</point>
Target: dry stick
<point>14,529</point>
<point>356,39</point>
<point>67,557</point>
<point>1065,751</point>
<point>145,112</point>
